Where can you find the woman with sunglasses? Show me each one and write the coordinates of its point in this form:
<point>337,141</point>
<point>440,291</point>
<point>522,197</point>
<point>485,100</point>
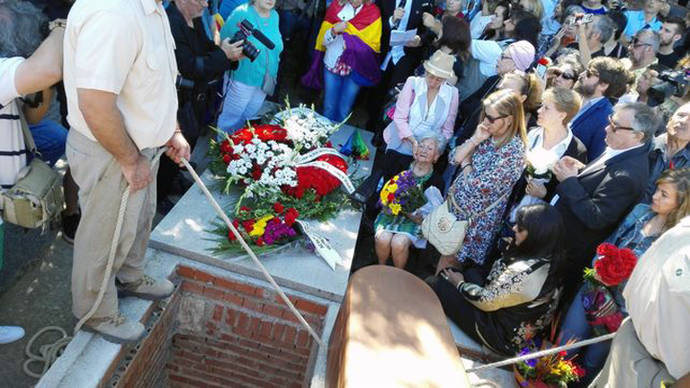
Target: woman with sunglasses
<point>491,161</point>
<point>564,75</point>
<point>644,224</point>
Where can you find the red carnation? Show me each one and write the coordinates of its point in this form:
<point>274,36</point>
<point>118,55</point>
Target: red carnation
<point>278,207</point>
<point>245,209</point>
<point>248,225</point>
<point>256,172</point>
<point>391,197</point>
<point>226,158</point>
<point>231,236</point>
<point>260,241</point>
<point>236,223</point>
<point>543,61</point>
<point>291,215</point>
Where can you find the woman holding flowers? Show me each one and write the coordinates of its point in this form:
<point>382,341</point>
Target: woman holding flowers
<point>547,144</point>
<point>426,106</point>
<point>644,224</point>
<point>397,229</point>
<point>520,296</point>
<point>491,161</point>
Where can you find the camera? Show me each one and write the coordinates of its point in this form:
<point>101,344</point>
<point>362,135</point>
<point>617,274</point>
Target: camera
<point>673,82</point>
<point>248,49</point>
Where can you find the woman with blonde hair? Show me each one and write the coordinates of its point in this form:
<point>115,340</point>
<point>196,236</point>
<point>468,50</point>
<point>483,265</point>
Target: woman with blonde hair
<point>546,144</point>
<point>644,224</point>
<point>491,161</point>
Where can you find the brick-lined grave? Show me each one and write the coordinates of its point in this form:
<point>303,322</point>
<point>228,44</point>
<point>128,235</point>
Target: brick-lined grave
<point>220,332</point>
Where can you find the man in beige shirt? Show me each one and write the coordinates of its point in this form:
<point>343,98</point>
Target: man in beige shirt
<point>119,75</point>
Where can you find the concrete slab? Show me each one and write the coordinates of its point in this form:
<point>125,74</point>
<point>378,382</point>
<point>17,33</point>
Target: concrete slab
<point>185,232</point>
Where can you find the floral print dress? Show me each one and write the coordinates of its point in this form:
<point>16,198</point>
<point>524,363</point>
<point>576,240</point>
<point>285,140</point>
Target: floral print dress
<point>494,172</point>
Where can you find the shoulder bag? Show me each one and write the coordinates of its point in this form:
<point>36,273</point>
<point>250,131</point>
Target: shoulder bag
<point>444,230</point>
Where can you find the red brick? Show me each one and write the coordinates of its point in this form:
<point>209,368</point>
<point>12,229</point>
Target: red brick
<point>254,326</point>
<point>204,277</point>
<point>230,316</point>
<point>192,286</point>
<point>278,330</point>
<point>214,293</point>
<point>311,307</point>
<point>234,298</point>
<point>273,310</point>
<point>289,316</point>
<point>266,329</point>
<point>225,283</point>
<point>217,313</point>
<point>243,321</point>
<point>303,338</point>
<point>251,304</point>
<point>185,271</point>
<point>290,333</point>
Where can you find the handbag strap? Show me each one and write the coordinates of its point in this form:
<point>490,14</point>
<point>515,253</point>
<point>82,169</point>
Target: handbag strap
<point>28,138</point>
<point>451,195</point>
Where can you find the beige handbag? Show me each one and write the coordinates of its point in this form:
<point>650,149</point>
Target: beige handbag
<point>36,198</point>
<point>444,230</point>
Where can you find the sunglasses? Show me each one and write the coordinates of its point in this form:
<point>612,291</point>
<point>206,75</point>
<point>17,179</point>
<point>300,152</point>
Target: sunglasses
<point>615,127</point>
<point>493,119</point>
<point>564,75</point>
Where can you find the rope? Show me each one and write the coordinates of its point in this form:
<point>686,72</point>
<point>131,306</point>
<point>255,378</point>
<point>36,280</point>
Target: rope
<point>113,249</point>
<point>251,254</point>
<point>543,353</point>
<point>47,353</point>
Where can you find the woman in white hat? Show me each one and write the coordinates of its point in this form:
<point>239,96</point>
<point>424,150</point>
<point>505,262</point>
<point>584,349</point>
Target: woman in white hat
<point>426,107</point>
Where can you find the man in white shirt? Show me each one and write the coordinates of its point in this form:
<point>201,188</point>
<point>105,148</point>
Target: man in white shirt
<point>593,199</point>
<point>119,75</point>
<point>653,345</point>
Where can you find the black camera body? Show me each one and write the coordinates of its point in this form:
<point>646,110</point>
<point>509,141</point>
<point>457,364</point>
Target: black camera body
<point>248,49</point>
<point>673,82</point>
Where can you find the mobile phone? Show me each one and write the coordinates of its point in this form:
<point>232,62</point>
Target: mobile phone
<point>584,19</point>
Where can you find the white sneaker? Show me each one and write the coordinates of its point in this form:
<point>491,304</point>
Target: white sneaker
<point>9,334</point>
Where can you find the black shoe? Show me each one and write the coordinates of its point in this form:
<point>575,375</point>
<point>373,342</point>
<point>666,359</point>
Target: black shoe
<point>180,185</point>
<point>69,227</point>
<point>377,140</point>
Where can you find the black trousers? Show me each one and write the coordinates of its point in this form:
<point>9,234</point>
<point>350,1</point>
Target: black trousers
<point>455,306</point>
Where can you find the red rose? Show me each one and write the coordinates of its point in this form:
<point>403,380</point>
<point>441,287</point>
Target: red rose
<point>225,146</point>
<point>614,265</point>
<point>278,207</point>
<point>256,172</point>
<point>226,158</point>
<point>260,241</point>
<point>391,197</point>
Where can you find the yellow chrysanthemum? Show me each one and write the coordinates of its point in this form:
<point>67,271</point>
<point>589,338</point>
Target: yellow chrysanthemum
<point>260,226</point>
<point>395,208</point>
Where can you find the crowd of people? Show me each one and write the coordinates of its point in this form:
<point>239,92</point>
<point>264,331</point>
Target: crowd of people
<point>552,126</point>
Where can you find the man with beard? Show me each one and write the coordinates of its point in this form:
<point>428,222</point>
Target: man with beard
<point>670,33</point>
<point>642,51</point>
<point>604,79</point>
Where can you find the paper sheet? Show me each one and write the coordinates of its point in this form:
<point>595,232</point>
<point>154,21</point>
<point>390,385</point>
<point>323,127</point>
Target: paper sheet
<point>399,38</point>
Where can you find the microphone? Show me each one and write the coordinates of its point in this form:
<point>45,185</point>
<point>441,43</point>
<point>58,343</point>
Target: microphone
<point>264,39</point>
<point>397,22</point>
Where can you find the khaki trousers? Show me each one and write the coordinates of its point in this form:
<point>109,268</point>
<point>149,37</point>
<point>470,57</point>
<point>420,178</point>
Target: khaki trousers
<point>101,186</point>
<point>629,364</point>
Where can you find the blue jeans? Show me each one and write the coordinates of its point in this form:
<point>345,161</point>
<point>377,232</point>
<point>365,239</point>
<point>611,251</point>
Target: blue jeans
<point>50,138</point>
<point>576,327</point>
<point>339,95</point>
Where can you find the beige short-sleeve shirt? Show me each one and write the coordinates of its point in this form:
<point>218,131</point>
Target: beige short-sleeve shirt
<point>124,47</point>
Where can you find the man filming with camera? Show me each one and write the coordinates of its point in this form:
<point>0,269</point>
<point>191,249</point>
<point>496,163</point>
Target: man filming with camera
<point>201,64</point>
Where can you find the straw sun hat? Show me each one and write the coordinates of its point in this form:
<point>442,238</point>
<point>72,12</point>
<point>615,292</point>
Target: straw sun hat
<point>440,64</point>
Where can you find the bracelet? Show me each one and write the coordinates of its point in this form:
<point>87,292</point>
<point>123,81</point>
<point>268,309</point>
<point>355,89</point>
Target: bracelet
<point>57,23</point>
<point>460,283</point>
<point>177,131</point>
<point>465,166</point>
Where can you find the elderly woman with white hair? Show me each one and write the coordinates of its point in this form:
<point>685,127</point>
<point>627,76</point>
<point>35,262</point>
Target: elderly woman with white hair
<point>426,106</point>
<point>395,234</point>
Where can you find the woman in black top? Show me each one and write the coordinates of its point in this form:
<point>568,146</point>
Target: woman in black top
<point>518,299</point>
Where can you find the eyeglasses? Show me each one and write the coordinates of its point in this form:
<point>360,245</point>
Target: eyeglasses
<point>564,75</point>
<point>636,43</point>
<point>493,119</point>
<point>615,127</point>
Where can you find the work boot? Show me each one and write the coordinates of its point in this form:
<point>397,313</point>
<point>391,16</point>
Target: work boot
<point>9,334</point>
<point>117,329</point>
<point>146,288</point>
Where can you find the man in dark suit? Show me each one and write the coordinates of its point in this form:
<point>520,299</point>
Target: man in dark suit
<point>593,199</point>
<point>604,79</point>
